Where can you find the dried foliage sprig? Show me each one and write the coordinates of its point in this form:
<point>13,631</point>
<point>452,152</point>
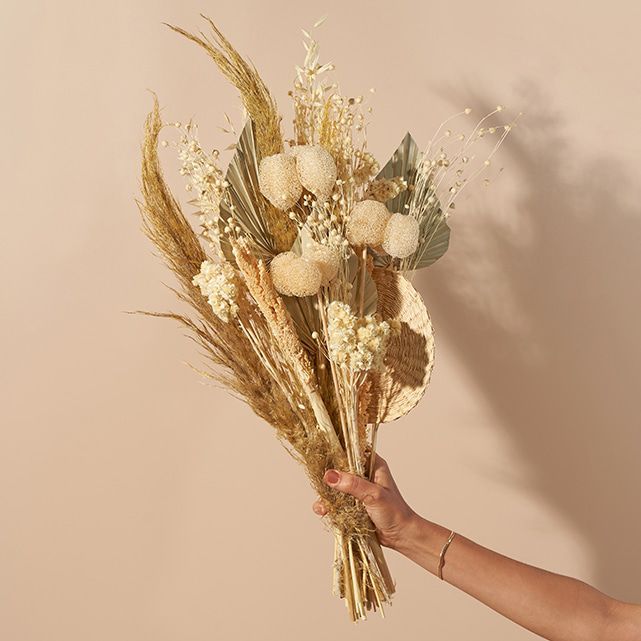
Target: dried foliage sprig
<point>302,303</point>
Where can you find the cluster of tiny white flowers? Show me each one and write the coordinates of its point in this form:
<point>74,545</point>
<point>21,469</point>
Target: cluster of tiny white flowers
<point>206,179</point>
<point>217,283</point>
<point>357,343</point>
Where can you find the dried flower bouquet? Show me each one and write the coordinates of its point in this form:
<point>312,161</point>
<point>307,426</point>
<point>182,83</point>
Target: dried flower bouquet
<point>298,279</point>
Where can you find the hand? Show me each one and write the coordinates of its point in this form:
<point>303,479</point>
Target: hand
<point>389,512</point>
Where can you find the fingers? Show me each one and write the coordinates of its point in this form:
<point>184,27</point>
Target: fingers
<point>319,508</point>
<point>368,492</point>
<point>381,473</point>
<point>360,488</point>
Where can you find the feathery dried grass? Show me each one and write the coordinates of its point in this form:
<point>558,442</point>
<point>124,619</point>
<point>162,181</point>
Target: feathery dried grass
<point>163,221</point>
<point>283,332</point>
<point>257,99</point>
<point>262,109</point>
<point>225,344</point>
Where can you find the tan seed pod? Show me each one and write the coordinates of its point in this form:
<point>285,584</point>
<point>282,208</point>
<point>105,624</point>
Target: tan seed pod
<point>401,235</point>
<point>316,170</point>
<point>279,181</point>
<point>367,223</point>
<point>295,276</point>
<point>327,259</point>
<point>385,189</point>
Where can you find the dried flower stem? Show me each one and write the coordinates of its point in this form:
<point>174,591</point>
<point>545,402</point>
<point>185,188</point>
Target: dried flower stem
<point>284,334</point>
<point>363,267</point>
<point>372,458</point>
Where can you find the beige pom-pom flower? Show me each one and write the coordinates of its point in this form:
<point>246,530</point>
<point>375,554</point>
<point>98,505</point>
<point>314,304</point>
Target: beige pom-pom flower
<point>295,276</point>
<point>326,258</point>
<point>367,222</point>
<point>316,170</point>
<point>279,181</point>
<point>401,235</point>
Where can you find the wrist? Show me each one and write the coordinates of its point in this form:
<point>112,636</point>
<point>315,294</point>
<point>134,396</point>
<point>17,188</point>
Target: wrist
<point>422,542</point>
<point>411,534</point>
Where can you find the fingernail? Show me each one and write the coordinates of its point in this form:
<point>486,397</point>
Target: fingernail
<point>332,477</point>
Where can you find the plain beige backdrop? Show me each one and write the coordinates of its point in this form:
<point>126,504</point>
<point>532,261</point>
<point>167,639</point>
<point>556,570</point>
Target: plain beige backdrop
<point>139,504</point>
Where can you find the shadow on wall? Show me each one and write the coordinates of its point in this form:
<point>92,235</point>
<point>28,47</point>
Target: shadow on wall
<point>544,307</point>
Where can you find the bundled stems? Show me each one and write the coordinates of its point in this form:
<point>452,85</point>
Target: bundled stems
<point>361,574</point>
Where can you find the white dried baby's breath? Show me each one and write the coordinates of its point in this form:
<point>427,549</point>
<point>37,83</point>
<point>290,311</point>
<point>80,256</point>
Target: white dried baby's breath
<point>357,343</point>
<point>205,180</point>
<point>217,283</point>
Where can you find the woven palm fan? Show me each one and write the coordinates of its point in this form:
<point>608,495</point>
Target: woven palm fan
<point>409,359</point>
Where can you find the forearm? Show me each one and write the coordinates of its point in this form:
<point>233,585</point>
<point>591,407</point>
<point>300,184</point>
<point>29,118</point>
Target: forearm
<point>555,607</point>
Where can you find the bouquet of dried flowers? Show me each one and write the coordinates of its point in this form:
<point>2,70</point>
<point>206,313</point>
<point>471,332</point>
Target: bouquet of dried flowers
<point>299,276</point>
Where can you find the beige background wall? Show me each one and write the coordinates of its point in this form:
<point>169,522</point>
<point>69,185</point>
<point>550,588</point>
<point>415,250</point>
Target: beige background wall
<point>137,503</point>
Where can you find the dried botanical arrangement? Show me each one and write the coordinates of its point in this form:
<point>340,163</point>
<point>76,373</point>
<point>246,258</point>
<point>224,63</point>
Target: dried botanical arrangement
<point>299,276</point>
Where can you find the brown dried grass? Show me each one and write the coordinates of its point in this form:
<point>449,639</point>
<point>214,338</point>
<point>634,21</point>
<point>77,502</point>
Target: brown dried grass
<point>226,346</point>
<point>257,99</point>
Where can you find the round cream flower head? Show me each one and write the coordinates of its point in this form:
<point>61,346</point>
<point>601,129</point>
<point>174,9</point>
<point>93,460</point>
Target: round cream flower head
<point>279,181</point>
<point>367,222</point>
<point>316,170</point>
<point>295,276</point>
<point>326,258</point>
<point>401,235</point>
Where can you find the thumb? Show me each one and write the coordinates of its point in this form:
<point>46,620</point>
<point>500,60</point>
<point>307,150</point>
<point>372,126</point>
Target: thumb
<point>360,488</point>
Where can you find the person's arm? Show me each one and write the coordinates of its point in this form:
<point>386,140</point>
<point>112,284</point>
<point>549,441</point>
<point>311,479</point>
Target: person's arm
<point>556,607</point>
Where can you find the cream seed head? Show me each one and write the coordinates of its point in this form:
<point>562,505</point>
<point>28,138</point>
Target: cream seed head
<point>295,276</point>
<point>367,223</point>
<point>316,170</point>
<point>279,181</point>
<point>401,236</point>
<point>326,258</point>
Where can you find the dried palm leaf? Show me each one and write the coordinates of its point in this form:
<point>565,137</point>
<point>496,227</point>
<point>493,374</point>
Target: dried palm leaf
<point>434,233</point>
<point>244,202</point>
